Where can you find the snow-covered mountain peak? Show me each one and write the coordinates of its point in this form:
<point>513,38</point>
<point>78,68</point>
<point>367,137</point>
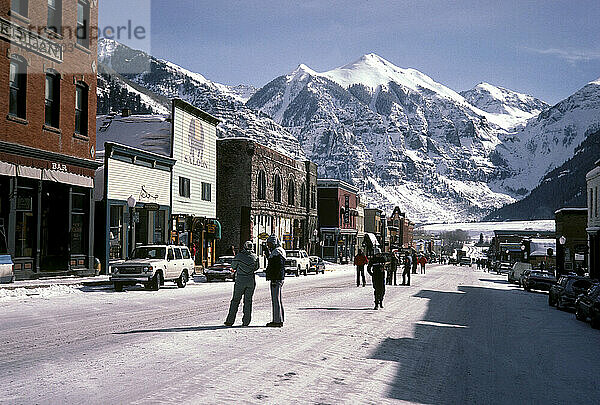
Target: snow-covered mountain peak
<point>597,81</point>
<point>301,73</point>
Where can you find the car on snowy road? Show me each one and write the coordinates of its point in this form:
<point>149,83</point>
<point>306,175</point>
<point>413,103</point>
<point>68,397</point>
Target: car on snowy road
<point>566,290</point>
<point>296,262</point>
<point>316,264</point>
<point>587,306</point>
<point>537,280</point>
<point>503,268</point>
<point>152,265</point>
<point>221,270</point>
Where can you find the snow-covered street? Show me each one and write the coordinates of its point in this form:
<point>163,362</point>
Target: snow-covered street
<point>457,335</point>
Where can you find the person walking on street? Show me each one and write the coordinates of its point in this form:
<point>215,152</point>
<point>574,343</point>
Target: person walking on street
<point>413,261</point>
<point>245,265</point>
<point>359,261</point>
<point>275,272</point>
<point>376,270</point>
<point>407,268</point>
<point>393,269</point>
<point>422,262</point>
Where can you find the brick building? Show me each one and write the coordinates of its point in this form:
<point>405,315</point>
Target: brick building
<point>47,134</point>
<point>262,192</point>
<point>338,202</point>
<point>400,230</point>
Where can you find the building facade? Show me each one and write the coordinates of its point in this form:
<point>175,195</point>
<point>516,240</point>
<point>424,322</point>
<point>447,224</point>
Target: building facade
<point>593,220</point>
<point>571,239</point>
<point>338,202</point>
<point>263,192</point>
<point>400,230</point>
<point>133,201</point>
<point>47,147</point>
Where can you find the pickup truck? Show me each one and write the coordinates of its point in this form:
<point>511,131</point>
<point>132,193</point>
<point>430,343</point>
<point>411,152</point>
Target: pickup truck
<point>153,265</point>
<point>296,262</point>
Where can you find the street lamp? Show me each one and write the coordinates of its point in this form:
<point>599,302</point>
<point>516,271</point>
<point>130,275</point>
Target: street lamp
<point>131,202</point>
<point>562,240</point>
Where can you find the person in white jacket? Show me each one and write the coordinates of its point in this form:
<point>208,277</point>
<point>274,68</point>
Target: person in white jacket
<point>245,264</point>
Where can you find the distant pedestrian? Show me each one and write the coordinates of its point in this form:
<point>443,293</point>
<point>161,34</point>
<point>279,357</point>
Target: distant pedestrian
<point>422,262</point>
<point>359,261</point>
<point>393,269</point>
<point>245,265</point>
<point>413,260</point>
<point>275,272</point>
<point>407,268</point>
<point>376,269</point>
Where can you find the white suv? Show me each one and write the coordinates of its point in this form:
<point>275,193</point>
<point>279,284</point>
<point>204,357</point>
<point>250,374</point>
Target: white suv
<point>297,262</point>
<point>153,265</point>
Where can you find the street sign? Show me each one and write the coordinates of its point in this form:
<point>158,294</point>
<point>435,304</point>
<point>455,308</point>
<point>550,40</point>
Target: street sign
<point>151,206</point>
<point>263,236</point>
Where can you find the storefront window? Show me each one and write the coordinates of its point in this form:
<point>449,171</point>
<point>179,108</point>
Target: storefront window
<point>159,223</point>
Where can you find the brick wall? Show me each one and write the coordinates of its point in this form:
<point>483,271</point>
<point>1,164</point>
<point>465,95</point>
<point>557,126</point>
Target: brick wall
<point>78,64</point>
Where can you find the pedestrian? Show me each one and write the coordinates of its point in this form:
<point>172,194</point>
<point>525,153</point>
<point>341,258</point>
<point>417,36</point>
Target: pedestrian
<point>231,250</point>
<point>393,269</point>
<point>422,262</point>
<point>359,261</point>
<point>407,268</point>
<point>376,270</point>
<point>413,260</point>
<point>275,273</point>
<point>193,252</point>
<point>245,264</point>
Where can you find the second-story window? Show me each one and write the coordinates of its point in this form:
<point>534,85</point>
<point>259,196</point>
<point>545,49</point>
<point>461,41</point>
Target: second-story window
<point>81,109</point>
<point>206,191</point>
<point>20,6</point>
<point>18,88</point>
<point>52,103</point>
<point>303,195</point>
<point>55,15</point>
<point>313,197</point>
<point>262,186</point>
<point>277,188</point>
<point>83,23</point>
<point>291,193</point>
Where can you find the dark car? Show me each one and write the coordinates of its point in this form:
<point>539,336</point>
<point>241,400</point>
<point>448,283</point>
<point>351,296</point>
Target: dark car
<point>221,270</point>
<point>587,306</point>
<point>317,265</point>
<point>537,280</point>
<point>566,290</point>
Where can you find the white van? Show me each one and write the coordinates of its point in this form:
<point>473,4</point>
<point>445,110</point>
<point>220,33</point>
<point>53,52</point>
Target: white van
<point>514,275</point>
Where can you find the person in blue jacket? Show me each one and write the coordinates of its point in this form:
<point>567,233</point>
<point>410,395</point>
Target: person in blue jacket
<point>275,273</point>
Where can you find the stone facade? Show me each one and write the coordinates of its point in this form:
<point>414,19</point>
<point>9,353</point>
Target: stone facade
<point>262,192</point>
<point>571,239</point>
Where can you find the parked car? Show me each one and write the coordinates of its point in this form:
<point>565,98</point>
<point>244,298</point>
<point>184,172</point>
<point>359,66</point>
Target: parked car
<point>566,290</point>
<point>220,270</point>
<point>7,274</point>
<point>152,265</point>
<point>316,264</point>
<point>537,280</point>
<point>296,262</point>
<point>503,268</point>
<point>587,306</point>
<point>465,261</point>
<point>515,273</point>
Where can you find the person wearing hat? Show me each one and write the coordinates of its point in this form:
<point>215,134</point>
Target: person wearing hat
<point>245,264</point>
<point>376,269</point>
<point>275,273</point>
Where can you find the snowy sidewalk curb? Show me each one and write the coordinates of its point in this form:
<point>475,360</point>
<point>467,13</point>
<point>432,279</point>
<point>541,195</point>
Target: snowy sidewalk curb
<point>50,282</point>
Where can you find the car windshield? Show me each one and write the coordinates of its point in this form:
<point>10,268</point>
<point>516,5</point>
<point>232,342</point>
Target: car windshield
<point>224,260</point>
<point>149,252</point>
<point>292,253</point>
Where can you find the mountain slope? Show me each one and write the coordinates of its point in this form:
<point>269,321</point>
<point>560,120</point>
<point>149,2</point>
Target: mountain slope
<point>550,139</point>
<point>564,186</point>
<point>165,81</point>
<point>403,138</point>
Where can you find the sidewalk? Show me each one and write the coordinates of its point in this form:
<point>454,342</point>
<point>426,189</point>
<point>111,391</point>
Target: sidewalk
<point>53,281</point>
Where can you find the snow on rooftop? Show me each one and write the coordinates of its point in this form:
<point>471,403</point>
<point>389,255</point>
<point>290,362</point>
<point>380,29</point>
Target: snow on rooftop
<point>150,132</point>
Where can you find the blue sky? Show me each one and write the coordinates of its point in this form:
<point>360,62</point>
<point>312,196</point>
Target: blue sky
<point>545,48</point>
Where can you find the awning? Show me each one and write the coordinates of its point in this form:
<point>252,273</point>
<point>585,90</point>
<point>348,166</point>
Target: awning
<point>68,178</point>
<point>8,169</point>
<point>29,172</point>
<point>371,239</point>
